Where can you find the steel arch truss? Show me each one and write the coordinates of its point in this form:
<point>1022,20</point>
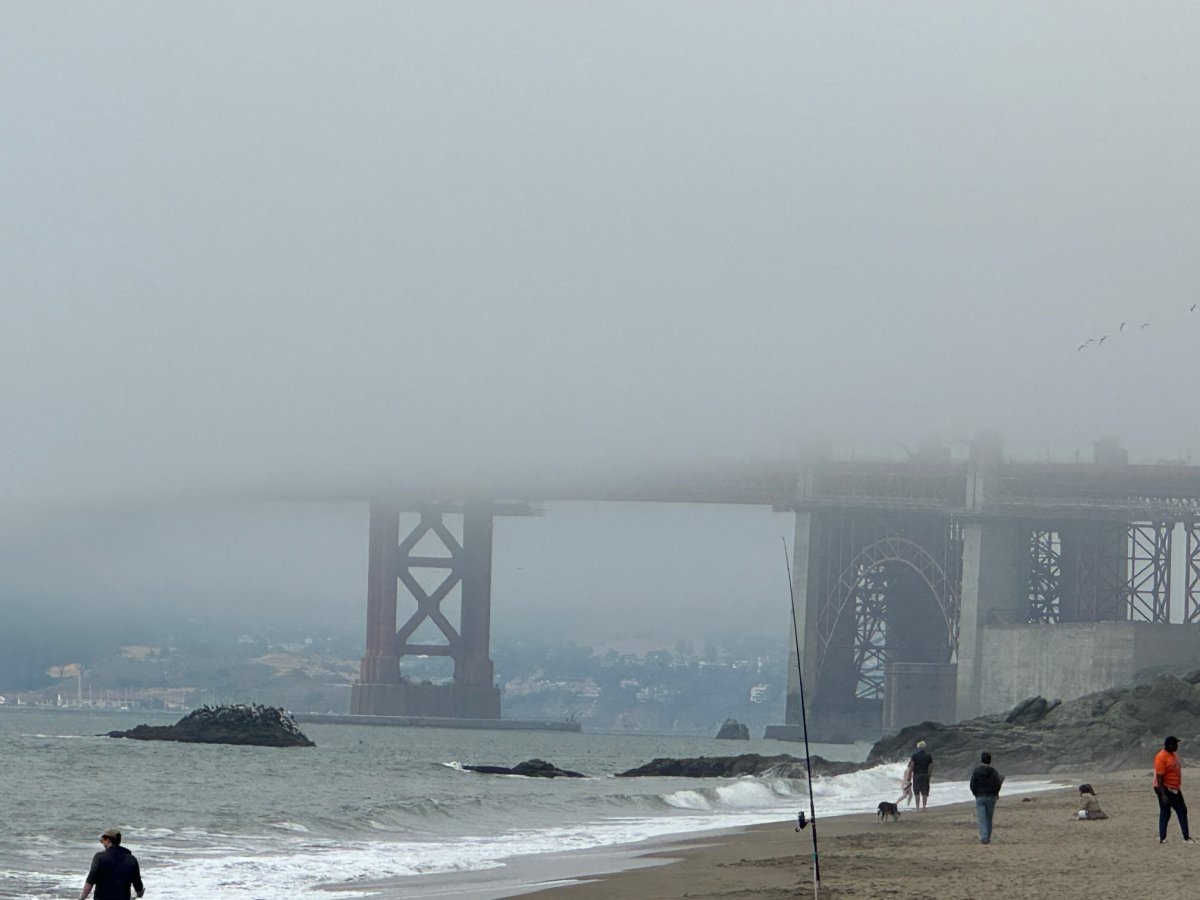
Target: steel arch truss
<point>861,589</point>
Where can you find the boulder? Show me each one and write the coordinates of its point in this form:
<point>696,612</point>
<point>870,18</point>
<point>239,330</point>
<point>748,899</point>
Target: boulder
<point>733,730</point>
<point>531,768</point>
<point>1029,711</point>
<point>260,726</point>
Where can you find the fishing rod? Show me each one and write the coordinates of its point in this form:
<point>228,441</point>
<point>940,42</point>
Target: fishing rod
<point>812,809</point>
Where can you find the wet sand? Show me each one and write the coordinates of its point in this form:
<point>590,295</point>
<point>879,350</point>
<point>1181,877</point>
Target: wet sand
<point>1038,850</point>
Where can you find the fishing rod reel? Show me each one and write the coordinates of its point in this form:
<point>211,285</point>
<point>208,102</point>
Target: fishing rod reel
<point>801,821</point>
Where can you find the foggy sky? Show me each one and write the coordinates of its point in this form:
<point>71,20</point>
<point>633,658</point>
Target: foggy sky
<point>284,247</point>
<point>587,572</point>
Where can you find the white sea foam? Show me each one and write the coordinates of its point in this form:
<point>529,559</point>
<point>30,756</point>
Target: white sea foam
<point>285,866</point>
<point>742,794</point>
<point>290,826</point>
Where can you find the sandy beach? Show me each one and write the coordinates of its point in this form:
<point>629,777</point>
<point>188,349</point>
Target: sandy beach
<point>1038,850</point>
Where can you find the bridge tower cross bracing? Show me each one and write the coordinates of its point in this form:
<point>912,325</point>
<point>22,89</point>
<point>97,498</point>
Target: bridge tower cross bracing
<point>467,565</point>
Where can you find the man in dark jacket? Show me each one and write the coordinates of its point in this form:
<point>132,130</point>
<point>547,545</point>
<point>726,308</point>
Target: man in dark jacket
<point>985,785</point>
<point>922,772</point>
<point>114,871</point>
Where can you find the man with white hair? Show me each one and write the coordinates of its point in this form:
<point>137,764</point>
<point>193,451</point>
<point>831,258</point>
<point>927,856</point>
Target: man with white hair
<point>922,769</point>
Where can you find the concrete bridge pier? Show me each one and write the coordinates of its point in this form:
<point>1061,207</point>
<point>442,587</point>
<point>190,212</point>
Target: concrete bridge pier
<point>804,622</point>
<point>994,590</point>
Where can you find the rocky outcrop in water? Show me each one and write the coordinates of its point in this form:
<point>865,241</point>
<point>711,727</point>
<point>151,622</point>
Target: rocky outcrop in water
<point>782,766</point>
<point>1114,729</point>
<point>733,730</point>
<point>531,768</point>
<point>260,726</point>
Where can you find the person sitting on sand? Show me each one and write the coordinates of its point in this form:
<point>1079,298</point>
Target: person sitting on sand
<point>906,792</point>
<point>1089,806</point>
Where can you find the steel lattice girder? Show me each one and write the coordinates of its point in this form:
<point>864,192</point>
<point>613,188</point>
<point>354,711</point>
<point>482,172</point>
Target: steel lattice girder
<point>870,640</point>
<point>1149,586</point>
<point>1191,596</point>
<point>1045,576</point>
<point>1098,561</point>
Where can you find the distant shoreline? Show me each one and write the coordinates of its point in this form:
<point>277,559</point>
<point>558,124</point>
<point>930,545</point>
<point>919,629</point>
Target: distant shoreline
<point>91,710</point>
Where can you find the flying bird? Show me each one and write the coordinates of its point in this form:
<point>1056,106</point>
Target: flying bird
<point>1122,326</point>
<point>1192,308</point>
<point>1102,340</point>
<point>1144,325</point>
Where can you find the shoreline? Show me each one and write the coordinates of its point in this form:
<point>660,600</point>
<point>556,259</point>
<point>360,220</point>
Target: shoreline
<point>1039,850</point>
<point>540,873</point>
<point>688,864</point>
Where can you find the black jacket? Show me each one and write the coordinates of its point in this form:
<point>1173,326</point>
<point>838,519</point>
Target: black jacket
<point>921,761</point>
<point>114,871</point>
<point>986,781</point>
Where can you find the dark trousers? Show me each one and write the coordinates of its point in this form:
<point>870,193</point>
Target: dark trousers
<point>1174,802</point>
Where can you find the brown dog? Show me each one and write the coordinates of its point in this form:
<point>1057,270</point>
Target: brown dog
<point>887,809</point>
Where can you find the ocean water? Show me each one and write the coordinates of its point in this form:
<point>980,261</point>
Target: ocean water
<point>367,803</point>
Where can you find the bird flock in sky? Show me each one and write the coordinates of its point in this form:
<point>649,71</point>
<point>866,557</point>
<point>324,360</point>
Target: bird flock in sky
<point>1099,342</point>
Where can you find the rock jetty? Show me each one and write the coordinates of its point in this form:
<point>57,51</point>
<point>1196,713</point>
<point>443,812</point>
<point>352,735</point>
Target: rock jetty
<point>259,726</point>
<point>531,768</point>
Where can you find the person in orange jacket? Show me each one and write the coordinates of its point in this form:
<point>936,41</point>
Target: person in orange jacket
<point>1168,779</point>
